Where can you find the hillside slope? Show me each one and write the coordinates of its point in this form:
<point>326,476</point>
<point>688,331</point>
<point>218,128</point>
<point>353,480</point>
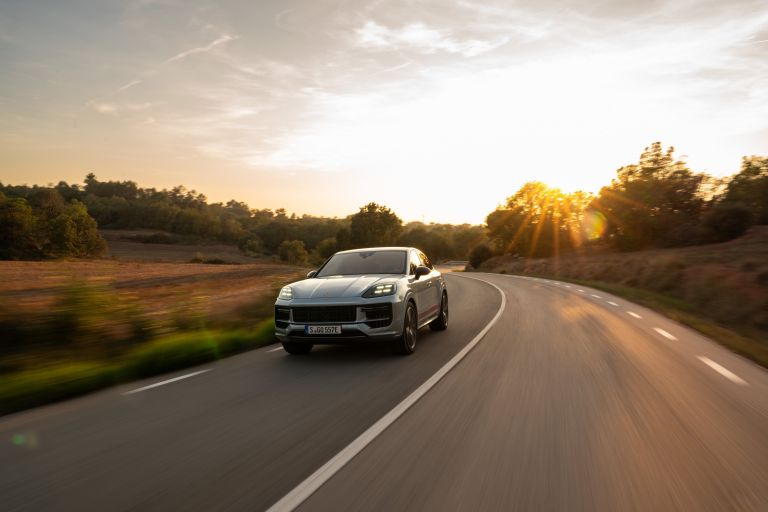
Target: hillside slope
<point>724,283</point>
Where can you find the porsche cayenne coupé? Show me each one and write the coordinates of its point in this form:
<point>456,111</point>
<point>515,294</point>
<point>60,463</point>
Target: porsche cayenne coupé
<point>376,294</point>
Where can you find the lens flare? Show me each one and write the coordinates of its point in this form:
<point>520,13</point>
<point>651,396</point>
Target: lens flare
<point>593,225</point>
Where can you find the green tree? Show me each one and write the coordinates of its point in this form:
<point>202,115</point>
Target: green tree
<point>750,187</point>
<point>538,221</point>
<point>727,221</point>
<point>652,203</point>
<point>293,252</point>
<point>326,248</point>
<point>374,225</point>
<point>479,254</point>
<point>17,229</point>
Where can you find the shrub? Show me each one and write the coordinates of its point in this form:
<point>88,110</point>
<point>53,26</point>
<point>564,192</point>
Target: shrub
<point>479,254</point>
<point>727,221</point>
<point>293,252</point>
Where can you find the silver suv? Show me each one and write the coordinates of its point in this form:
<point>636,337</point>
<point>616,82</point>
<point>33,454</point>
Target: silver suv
<point>376,294</point>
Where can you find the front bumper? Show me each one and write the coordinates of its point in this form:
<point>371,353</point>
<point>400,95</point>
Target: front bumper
<point>364,324</point>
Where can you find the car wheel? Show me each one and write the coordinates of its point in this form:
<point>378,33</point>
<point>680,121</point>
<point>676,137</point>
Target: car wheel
<point>297,347</point>
<point>441,322</point>
<point>407,342</point>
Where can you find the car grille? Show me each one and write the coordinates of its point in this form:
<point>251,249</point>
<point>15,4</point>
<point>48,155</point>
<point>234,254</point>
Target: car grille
<point>379,315</point>
<point>324,314</point>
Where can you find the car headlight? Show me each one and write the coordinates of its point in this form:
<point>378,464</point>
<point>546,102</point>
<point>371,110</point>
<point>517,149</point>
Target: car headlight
<point>380,290</point>
<point>286,293</point>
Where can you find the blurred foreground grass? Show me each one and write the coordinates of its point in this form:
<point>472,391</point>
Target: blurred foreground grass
<point>37,386</point>
<point>91,337</point>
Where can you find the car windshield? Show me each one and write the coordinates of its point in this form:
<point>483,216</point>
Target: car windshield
<point>365,262</point>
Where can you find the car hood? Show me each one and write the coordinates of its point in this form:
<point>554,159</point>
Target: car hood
<point>336,286</point>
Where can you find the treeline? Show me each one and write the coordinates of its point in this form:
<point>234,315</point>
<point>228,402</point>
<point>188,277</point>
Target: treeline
<point>375,225</point>
<point>44,225</point>
<point>658,202</point>
<point>34,225</point>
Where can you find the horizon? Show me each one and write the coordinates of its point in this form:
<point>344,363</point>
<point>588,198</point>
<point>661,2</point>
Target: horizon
<point>318,108</point>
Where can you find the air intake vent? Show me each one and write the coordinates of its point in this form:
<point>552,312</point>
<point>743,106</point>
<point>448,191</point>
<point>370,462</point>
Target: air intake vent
<point>324,314</point>
<point>379,315</point>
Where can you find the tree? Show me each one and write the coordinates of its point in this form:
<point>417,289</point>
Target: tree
<point>750,187</point>
<point>49,229</point>
<point>479,254</point>
<point>650,203</point>
<point>293,252</point>
<point>538,221</point>
<point>430,239</point>
<point>17,229</point>
<point>374,225</point>
<point>326,248</point>
<point>727,221</point>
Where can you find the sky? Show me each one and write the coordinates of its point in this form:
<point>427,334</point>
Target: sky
<point>439,109</point>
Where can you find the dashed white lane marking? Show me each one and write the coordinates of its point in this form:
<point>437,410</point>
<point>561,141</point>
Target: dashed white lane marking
<point>633,314</point>
<point>612,303</point>
<point>664,333</point>
<point>725,372</point>
<point>580,290</point>
<point>314,481</point>
<point>596,296</point>
<point>275,349</point>
<point>163,383</point>
<point>567,286</point>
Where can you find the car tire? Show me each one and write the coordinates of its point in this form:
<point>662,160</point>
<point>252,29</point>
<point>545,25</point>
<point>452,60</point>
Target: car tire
<point>441,322</point>
<point>406,344</point>
<point>297,348</point>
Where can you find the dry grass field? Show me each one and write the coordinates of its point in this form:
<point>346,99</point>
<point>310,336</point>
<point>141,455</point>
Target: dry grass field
<point>122,246</point>
<point>72,326</point>
<point>158,288</point>
<point>54,310</point>
<point>158,278</point>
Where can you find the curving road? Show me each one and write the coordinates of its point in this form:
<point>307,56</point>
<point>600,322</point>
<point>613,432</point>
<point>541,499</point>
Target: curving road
<point>571,400</point>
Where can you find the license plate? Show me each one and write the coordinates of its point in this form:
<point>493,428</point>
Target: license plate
<point>322,329</point>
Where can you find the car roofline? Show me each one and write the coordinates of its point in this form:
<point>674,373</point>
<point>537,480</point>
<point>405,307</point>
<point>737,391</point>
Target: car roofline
<point>367,249</point>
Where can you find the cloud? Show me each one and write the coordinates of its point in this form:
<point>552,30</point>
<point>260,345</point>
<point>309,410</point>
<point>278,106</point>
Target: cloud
<point>112,109</point>
<point>128,85</point>
<point>201,49</point>
<point>422,38</point>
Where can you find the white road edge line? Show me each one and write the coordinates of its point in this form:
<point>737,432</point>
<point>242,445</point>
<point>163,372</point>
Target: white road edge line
<point>314,481</point>
<point>275,349</point>
<point>725,372</point>
<point>633,314</point>
<point>163,383</point>
<point>664,333</point>
<point>612,303</point>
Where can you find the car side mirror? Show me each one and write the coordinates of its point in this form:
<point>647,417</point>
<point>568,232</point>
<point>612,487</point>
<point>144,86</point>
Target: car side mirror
<point>421,270</point>
<point>311,274</point>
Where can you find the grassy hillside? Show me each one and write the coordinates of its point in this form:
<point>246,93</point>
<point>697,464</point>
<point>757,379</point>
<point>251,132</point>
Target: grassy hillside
<point>716,288</point>
<point>161,246</point>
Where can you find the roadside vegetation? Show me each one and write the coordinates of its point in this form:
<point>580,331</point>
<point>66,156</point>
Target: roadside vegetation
<point>60,221</point>
<point>67,328</point>
<point>681,242</point>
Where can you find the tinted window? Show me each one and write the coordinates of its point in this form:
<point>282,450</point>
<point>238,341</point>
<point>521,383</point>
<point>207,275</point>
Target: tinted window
<point>414,262</point>
<point>364,262</point>
<point>424,260</point>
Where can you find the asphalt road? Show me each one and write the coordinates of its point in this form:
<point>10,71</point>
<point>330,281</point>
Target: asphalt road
<point>573,400</point>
